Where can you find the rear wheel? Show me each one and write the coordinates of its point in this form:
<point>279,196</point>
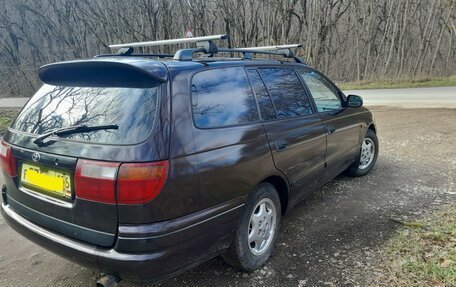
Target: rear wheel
<point>257,231</point>
<point>367,156</point>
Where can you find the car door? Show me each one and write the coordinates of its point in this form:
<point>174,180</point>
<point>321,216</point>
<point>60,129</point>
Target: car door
<point>342,125</point>
<point>295,132</point>
<point>231,146</point>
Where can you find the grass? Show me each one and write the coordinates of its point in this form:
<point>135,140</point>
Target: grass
<point>399,83</point>
<point>6,117</point>
<point>423,256</point>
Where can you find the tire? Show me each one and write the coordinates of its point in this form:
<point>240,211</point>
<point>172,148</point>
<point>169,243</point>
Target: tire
<point>367,156</point>
<point>250,254</point>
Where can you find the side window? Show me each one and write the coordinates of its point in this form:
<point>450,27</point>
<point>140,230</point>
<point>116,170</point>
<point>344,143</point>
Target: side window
<point>223,97</point>
<point>264,101</point>
<point>324,94</point>
<point>286,91</point>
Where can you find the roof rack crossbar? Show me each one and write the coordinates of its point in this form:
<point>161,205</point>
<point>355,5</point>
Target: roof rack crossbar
<point>136,55</point>
<point>171,41</point>
<point>187,54</point>
<point>277,47</point>
<point>284,52</point>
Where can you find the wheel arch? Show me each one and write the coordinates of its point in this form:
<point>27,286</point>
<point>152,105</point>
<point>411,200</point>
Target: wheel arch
<point>282,187</point>
<point>372,127</point>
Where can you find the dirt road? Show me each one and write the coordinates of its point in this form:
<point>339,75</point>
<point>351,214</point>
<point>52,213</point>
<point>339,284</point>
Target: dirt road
<point>328,240</point>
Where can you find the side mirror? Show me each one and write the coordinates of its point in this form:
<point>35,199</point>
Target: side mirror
<point>354,101</point>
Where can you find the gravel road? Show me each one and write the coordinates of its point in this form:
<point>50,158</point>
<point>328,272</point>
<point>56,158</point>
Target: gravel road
<point>331,239</point>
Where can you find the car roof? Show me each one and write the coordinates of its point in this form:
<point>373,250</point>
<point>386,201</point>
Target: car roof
<point>73,71</point>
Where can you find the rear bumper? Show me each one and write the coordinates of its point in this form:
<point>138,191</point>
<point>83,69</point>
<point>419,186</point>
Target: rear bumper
<point>172,248</point>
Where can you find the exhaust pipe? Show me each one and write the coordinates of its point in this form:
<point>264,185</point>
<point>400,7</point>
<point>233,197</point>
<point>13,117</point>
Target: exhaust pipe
<point>108,280</point>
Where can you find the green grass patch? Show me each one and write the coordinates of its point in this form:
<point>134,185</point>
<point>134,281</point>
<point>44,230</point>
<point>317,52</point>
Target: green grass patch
<point>424,256</point>
<point>6,118</point>
<point>399,83</point>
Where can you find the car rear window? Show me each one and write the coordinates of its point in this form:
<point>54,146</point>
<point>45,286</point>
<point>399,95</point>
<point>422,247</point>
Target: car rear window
<point>223,97</point>
<point>53,107</point>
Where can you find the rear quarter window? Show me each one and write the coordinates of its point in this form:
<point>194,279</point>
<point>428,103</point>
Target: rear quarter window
<point>223,97</point>
<point>53,107</point>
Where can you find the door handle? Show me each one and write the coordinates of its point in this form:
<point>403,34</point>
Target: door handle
<point>330,129</point>
<point>280,145</point>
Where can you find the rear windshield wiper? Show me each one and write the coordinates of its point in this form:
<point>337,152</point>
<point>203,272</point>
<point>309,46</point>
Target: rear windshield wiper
<point>73,130</point>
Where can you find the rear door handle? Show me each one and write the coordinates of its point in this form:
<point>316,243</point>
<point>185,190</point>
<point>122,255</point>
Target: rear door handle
<point>330,129</point>
<point>281,145</point>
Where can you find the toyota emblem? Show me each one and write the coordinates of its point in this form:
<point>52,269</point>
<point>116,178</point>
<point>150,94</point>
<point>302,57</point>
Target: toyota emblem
<point>36,157</point>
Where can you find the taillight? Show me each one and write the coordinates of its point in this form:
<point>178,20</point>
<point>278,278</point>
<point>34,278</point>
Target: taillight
<point>96,180</point>
<point>136,182</point>
<point>140,182</point>
<point>7,161</point>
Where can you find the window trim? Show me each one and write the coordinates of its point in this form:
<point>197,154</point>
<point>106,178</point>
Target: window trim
<point>190,84</point>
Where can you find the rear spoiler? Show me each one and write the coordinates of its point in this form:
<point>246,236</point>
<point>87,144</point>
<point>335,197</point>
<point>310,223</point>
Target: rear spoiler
<point>133,73</point>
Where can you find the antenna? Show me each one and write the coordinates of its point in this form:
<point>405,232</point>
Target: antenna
<point>171,41</point>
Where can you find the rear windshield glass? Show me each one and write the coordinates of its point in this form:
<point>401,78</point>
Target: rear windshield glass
<point>132,110</point>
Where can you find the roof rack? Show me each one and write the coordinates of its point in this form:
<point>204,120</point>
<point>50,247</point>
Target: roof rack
<point>281,50</point>
<point>205,45</point>
<point>278,47</point>
<point>159,56</point>
<point>171,41</point>
<point>210,48</point>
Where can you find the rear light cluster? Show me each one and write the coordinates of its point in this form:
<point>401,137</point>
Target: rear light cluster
<point>126,183</point>
<point>7,160</point>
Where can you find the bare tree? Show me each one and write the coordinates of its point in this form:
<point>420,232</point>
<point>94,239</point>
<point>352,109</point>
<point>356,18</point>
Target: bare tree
<point>347,39</point>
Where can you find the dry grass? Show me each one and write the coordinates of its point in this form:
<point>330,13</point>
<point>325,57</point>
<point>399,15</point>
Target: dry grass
<point>6,118</point>
<point>399,83</point>
<point>423,256</point>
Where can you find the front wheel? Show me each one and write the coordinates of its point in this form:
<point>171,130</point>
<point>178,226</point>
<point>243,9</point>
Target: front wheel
<point>257,231</point>
<point>367,156</point>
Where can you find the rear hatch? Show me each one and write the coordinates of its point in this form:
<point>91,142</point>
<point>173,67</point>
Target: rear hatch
<point>63,156</point>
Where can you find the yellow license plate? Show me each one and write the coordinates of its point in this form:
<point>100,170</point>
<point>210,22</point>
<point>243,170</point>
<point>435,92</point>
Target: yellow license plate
<point>47,180</point>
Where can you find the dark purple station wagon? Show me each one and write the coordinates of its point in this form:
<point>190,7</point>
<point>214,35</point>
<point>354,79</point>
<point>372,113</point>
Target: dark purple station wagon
<point>142,166</point>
